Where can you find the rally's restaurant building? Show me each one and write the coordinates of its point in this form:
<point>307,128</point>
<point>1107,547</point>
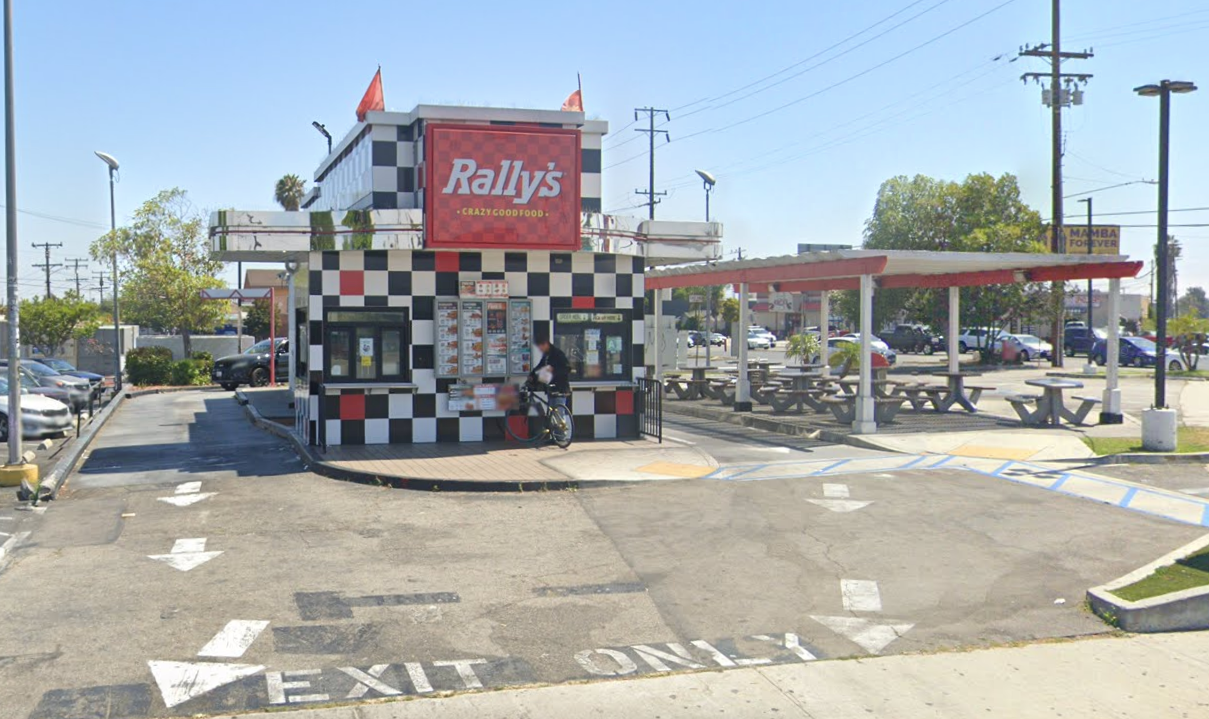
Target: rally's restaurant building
<point>433,248</point>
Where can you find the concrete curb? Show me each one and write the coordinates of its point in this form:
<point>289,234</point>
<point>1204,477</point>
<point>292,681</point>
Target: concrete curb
<point>771,424</point>
<point>1178,611</point>
<point>314,464</point>
<point>1151,458</point>
<point>54,480</point>
<point>131,394</point>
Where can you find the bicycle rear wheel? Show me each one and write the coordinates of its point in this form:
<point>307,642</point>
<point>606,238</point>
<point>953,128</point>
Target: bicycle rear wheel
<point>561,425</point>
<point>519,425</point>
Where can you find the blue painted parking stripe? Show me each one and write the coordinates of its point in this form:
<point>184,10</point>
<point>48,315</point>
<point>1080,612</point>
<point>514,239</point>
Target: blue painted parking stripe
<point>830,467</point>
<point>942,462</point>
<point>1061,481</point>
<point>749,470</point>
<point>1006,465</point>
<point>1128,497</point>
<point>914,462</point>
<point>1205,517</point>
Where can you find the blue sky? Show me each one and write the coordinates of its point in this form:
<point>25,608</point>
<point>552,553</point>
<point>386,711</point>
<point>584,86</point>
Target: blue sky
<point>218,97</point>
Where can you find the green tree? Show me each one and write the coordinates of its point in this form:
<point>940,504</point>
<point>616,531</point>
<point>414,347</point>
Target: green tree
<point>49,322</point>
<point>1194,302</point>
<point>256,322</point>
<point>730,310</point>
<point>164,261</point>
<point>1188,334</point>
<point>289,191</point>
<point>981,214</point>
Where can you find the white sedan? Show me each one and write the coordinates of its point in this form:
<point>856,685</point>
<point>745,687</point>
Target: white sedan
<point>1028,347</point>
<point>40,416</point>
<point>757,342</point>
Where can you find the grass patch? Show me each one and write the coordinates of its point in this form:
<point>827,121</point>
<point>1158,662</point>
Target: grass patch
<point>1188,439</point>
<point>1187,573</point>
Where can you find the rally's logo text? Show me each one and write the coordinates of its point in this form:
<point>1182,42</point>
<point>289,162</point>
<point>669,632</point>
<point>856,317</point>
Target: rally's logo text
<point>511,180</point>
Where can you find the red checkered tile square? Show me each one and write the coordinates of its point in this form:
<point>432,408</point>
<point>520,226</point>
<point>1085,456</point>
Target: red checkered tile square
<point>352,406</point>
<point>352,282</point>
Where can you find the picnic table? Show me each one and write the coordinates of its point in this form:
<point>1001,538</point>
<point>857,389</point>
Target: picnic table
<point>799,390</point>
<point>690,389</point>
<point>919,394</point>
<point>880,386</point>
<point>1051,408</point>
<point>958,393</point>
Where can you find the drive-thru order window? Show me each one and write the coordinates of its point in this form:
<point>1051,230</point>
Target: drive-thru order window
<point>366,345</point>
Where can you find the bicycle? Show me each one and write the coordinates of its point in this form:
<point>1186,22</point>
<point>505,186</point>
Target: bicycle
<point>555,420</point>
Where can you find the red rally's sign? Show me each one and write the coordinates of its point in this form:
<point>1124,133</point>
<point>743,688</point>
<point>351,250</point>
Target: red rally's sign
<point>502,186</point>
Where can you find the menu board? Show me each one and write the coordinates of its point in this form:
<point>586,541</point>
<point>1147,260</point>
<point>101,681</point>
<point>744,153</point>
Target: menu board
<point>496,338</point>
<point>520,336</point>
<point>447,338</point>
<point>472,337</point>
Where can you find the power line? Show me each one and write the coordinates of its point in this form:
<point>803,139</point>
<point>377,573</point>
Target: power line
<point>76,266</point>
<point>58,218</point>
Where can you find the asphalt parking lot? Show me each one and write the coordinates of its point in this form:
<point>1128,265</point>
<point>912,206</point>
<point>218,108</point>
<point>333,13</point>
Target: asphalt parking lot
<point>200,570</point>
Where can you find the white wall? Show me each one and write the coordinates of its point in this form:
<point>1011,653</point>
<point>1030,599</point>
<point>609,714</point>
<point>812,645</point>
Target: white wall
<point>216,345</point>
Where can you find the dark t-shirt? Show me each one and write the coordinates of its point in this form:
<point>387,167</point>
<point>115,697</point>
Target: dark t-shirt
<point>557,361</point>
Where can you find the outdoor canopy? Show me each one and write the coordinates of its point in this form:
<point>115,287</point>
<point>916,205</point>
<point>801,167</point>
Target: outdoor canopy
<point>864,270</point>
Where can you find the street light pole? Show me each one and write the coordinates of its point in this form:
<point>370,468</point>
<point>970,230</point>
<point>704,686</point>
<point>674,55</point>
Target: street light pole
<point>709,182</point>
<point>113,233</point>
<point>10,226</point>
<point>1163,91</point>
<point>1090,326</point>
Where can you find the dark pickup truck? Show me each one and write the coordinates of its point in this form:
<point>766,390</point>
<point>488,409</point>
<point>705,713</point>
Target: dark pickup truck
<point>910,338</point>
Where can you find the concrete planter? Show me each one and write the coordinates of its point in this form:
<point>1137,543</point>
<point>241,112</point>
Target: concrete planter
<point>1159,430</point>
<point>1179,611</point>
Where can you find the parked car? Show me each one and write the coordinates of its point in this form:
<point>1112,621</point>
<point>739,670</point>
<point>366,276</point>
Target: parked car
<point>40,416</point>
<point>977,338</point>
<point>911,338</point>
<point>696,339</point>
<point>875,344</point>
<point>1028,347</point>
<point>772,339</point>
<point>251,367</point>
<point>62,366</point>
<point>78,391</point>
<point>1135,352</point>
<point>1079,340</point>
<point>758,341</point>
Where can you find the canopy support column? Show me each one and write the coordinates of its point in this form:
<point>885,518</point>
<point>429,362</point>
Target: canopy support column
<point>954,330</point>
<point>866,421</point>
<point>824,316</point>
<point>743,389</point>
<point>1110,409</point>
<point>656,336</point>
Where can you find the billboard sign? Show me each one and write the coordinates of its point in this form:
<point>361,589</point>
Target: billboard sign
<point>780,301</point>
<point>501,186</point>
<point>1106,239</point>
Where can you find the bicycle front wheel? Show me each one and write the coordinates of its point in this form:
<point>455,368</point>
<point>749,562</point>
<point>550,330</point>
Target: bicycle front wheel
<point>520,425</point>
<point>562,425</point>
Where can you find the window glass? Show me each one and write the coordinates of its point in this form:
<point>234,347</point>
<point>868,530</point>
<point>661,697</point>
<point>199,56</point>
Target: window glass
<point>596,343</point>
<point>366,317</point>
<point>339,342</point>
<point>366,360</point>
<point>392,341</point>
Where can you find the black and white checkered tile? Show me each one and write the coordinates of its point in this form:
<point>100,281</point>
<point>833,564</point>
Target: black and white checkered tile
<point>414,279</point>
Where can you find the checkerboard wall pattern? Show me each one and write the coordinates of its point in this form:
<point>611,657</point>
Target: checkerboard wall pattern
<point>414,279</point>
<point>397,154</point>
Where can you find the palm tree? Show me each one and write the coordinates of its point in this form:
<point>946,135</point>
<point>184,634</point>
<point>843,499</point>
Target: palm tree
<point>289,191</point>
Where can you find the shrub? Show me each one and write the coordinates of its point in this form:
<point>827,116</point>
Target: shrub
<point>188,372</point>
<point>205,362</point>
<point>149,366</point>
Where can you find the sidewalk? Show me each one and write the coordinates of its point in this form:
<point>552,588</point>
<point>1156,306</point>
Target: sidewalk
<point>1131,676</point>
<point>489,466</point>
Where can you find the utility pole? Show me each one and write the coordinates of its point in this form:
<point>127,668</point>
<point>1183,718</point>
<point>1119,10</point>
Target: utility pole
<point>1056,97</point>
<point>47,266</point>
<point>75,265</point>
<point>651,133</point>
<point>100,288</point>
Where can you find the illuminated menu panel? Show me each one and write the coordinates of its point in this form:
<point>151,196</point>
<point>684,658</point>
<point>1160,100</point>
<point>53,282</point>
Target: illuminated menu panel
<point>520,336</point>
<point>447,338</point>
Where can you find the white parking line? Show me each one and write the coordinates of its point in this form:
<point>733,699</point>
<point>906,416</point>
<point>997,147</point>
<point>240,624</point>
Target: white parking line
<point>835,491</point>
<point>860,595</point>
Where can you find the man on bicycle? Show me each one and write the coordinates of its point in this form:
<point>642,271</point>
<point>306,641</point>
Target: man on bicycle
<point>559,369</point>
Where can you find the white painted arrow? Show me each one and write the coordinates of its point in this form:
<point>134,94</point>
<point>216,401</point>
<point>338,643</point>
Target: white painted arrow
<point>188,487</point>
<point>840,505</point>
<point>871,637</point>
<point>234,639</point>
<point>181,681</point>
<point>184,500</point>
<point>186,554</point>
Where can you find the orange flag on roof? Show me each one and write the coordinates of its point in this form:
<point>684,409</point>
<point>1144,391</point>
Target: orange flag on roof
<point>373,97</point>
<point>575,101</point>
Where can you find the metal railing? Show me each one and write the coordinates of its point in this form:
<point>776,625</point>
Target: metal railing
<point>650,408</point>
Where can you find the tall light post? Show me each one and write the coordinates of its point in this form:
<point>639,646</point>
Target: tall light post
<point>1091,332</point>
<point>113,230</point>
<point>10,226</point>
<point>709,182</point>
<point>323,131</point>
<point>1163,91</point>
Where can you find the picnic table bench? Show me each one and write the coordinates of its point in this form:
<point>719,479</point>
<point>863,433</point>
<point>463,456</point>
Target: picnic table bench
<point>843,407</point>
<point>1051,409</point>
<point>920,394</point>
<point>784,399</point>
